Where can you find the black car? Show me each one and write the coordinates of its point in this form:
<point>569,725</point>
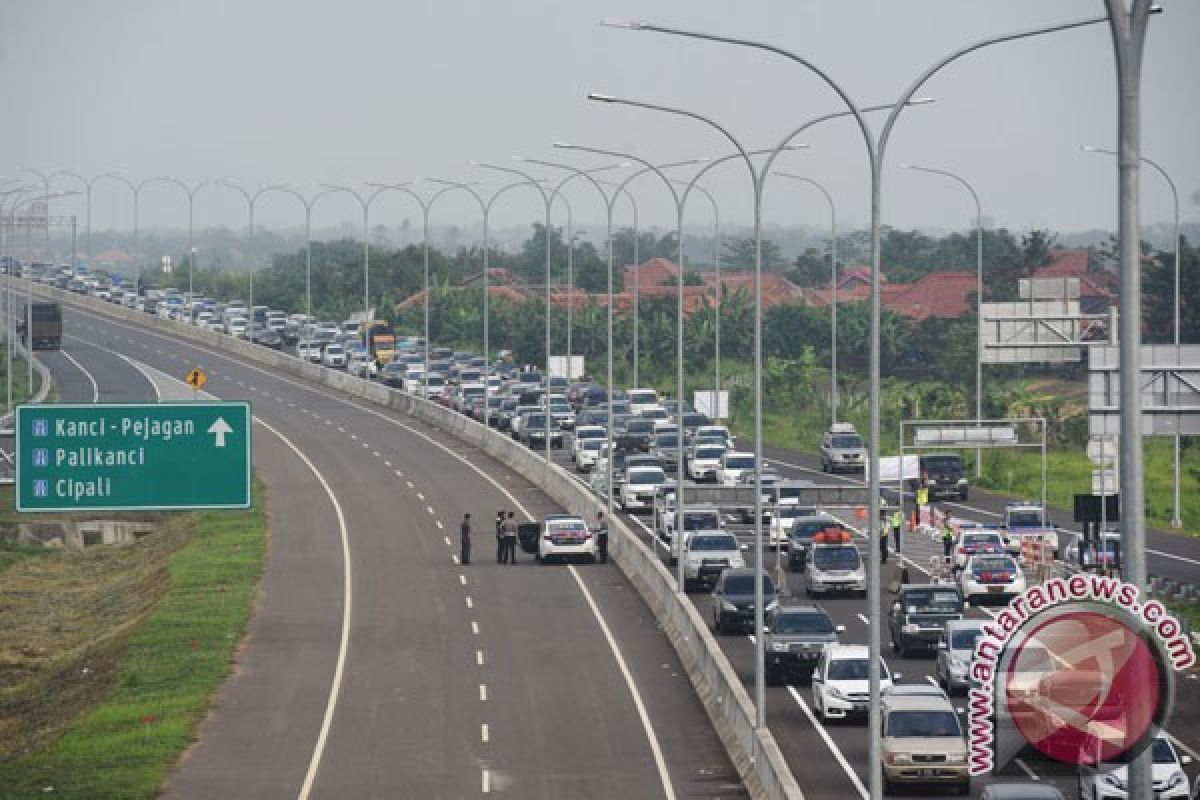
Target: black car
<point>393,374</point>
<point>943,475</point>
<point>733,599</point>
<point>794,638</point>
<point>533,431</point>
<point>919,615</point>
<point>800,538</point>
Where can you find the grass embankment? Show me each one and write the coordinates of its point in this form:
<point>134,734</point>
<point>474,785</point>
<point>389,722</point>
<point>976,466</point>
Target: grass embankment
<point>21,391</point>
<point>109,656</point>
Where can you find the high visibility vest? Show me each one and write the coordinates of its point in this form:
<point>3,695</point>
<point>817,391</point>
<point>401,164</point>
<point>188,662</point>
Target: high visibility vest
<point>922,497</point>
<point>948,533</point>
<point>897,519</point>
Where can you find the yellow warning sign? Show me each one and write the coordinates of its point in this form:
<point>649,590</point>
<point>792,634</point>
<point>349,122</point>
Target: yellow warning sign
<point>196,378</point>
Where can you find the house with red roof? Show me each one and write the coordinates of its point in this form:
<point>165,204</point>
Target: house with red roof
<point>1098,289</point>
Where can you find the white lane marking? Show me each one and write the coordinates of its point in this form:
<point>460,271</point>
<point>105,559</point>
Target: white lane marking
<point>410,483</point>
<point>354,436</point>
<point>479,657</point>
<point>366,445</point>
<point>376,454</point>
<point>932,680</point>
<point>1025,768</point>
<point>341,429</point>
<point>138,366</point>
<point>483,732</point>
<point>420,496</point>
<point>487,783</point>
<point>440,525</point>
<point>474,627</point>
<point>483,692</point>
<point>1195,756</point>
<point>347,609</point>
<point>387,464</point>
<point>864,619</point>
<point>462,579</point>
<point>78,366</point>
<point>429,509</point>
<point>470,602</point>
<point>663,775</point>
<point>833,748</point>
<point>454,558</point>
<point>448,542</point>
<point>668,789</point>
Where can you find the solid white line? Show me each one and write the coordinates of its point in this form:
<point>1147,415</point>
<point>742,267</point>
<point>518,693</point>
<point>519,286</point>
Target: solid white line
<point>479,657</point>
<point>1025,768</point>
<point>833,748</point>
<point>483,732</point>
<point>483,692</point>
<point>1195,756</point>
<point>347,608</point>
<point>864,619</point>
<point>656,751</point>
<point>138,366</point>
<point>78,366</point>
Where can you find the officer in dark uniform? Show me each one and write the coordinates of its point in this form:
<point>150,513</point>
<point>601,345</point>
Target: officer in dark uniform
<point>601,537</point>
<point>499,537</point>
<point>464,533</point>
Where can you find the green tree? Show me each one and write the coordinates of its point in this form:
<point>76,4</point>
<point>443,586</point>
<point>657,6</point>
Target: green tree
<point>738,253</point>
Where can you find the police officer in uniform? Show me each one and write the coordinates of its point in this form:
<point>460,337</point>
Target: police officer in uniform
<point>464,532</point>
<point>947,537</point>
<point>510,539</point>
<point>499,537</point>
<point>602,537</point>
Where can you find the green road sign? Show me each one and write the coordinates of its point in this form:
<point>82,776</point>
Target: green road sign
<point>133,457</point>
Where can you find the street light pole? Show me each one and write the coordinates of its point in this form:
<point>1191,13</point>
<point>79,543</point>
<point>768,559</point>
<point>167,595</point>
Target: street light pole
<point>87,184</point>
<point>136,190</point>
<point>716,209</point>
<point>875,150</point>
<point>833,281</point>
<point>365,201</point>
<point>251,200</point>
<point>978,293</point>
<point>1177,516</point>
<point>308,204</point>
<point>190,191</point>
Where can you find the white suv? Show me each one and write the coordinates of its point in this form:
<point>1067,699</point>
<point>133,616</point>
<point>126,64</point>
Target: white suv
<point>703,462</point>
<point>639,487</point>
<point>1109,781</point>
<point>842,449</point>
<point>642,399</point>
<point>839,682</point>
<point>733,465</point>
<point>706,554</point>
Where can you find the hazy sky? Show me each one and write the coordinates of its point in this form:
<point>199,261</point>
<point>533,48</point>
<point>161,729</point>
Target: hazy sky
<point>305,92</point>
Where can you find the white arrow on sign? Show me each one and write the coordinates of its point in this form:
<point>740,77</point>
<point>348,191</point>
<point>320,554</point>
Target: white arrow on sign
<point>220,428</point>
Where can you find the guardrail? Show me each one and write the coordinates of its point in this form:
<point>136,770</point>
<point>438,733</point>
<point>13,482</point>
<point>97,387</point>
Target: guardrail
<point>753,752</point>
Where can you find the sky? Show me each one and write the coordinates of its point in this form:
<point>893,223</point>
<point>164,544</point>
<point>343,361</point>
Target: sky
<point>304,93</point>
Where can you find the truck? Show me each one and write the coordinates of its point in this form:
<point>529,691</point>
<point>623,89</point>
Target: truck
<point>380,340</point>
<point>45,332</point>
<point>1028,521</point>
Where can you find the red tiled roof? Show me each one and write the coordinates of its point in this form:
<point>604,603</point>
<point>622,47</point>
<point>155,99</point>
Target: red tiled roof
<point>651,273</point>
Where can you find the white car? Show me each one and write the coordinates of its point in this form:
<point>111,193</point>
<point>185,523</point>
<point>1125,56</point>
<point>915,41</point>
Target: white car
<point>362,365</point>
<point>590,453</point>
<point>334,356</point>
<point>414,379</point>
<point>707,554</point>
<point>704,461</point>
<point>639,487</point>
<point>835,568</point>
<point>215,325</point>
<point>733,464</point>
<point>236,326</point>
<point>310,351</point>
<point>433,387</point>
<point>712,431</point>
<point>977,543</point>
<point>997,576</point>
<point>642,399</point>
<point>1108,781</point>
<point>839,682</point>
<point>563,535</point>
<point>697,517</point>
<point>584,433</point>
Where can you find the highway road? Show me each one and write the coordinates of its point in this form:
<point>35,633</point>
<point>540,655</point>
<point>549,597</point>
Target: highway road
<point>375,664</point>
<point>828,760</point>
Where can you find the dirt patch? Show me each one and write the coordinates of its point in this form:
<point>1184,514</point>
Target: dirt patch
<point>64,621</point>
<point>1073,394</point>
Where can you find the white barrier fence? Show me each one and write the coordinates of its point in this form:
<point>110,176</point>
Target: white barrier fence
<point>754,752</point>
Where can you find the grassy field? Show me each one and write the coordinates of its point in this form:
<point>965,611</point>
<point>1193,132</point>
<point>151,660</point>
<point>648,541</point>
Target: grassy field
<point>127,698</point>
<point>20,390</point>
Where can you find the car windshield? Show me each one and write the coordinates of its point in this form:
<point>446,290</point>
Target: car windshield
<point>724,542</point>
<point>655,413</point>
<point>593,433</point>
<point>847,441</point>
<point>932,601</point>
<point>791,512</point>
<point>836,557</point>
<point>593,444</point>
<point>639,426</point>
<point>561,525</point>
<point>744,584</point>
<point>1031,518</point>
<point>535,421</point>
<point>701,521</point>
<point>993,563</point>
<point>922,723</point>
<point>434,380</point>
<point>668,440</point>
<point>710,452</point>
<point>942,463</point>
<point>643,398</point>
<point>740,462</point>
<point>979,539</point>
<point>560,408</point>
<point>852,669</point>
<point>648,476</point>
<point>964,640</point>
<point>803,622</point>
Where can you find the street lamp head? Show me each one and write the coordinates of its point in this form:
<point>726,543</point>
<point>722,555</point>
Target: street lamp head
<point>921,101</point>
<point>1089,148</point>
<point>601,98</point>
<point>627,24</point>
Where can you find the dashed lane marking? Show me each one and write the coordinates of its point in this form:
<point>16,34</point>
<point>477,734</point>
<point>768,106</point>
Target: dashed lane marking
<point>462,579</point>
<point>429,509</point>
<point>479,657</point>
<point>474,627</point>
<point>483,692</point>
<point>470,602</point>
<point>448,542</point>
<point>483,732</point>
<point>864,619</point>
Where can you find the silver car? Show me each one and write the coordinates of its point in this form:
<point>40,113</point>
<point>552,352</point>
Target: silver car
<point>954,654</point>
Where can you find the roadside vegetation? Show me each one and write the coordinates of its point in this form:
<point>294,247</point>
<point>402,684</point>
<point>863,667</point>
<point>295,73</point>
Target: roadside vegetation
<point>109,656</point>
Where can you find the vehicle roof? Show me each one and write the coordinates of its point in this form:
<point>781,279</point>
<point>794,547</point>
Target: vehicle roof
<point>556,517</point>
<point>965,625</point>
<point>735,453</point>
<point>905,701</point>
<point>1022,791</point>
<point>806,609</point>
<point>837,652</point>
<point>906,587</point>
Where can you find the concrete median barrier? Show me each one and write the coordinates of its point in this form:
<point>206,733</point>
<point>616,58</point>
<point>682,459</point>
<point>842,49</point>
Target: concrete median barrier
<point>754,752</point>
